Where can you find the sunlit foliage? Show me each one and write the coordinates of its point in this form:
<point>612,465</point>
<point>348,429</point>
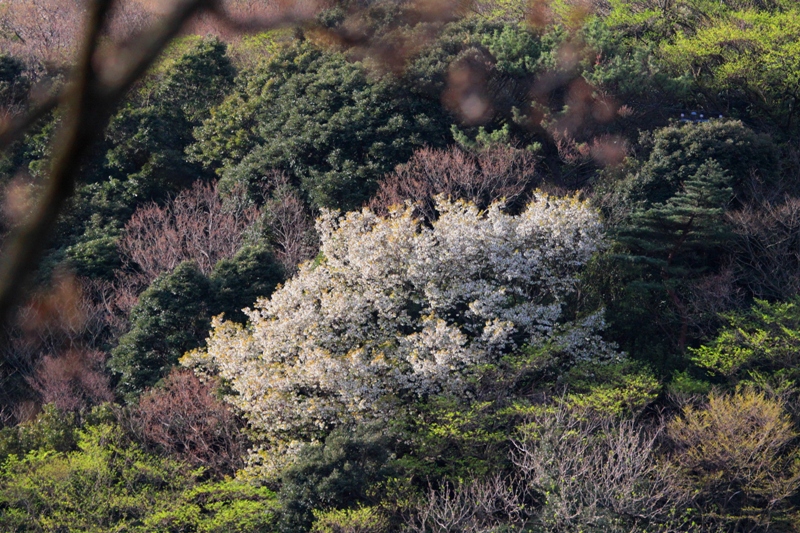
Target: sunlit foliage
<point>393,310</point>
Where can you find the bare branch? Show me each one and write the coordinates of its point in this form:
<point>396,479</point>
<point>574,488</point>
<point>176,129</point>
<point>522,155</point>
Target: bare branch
<point>96,89</point>
<point>498,173</point>
<point>195,226</point>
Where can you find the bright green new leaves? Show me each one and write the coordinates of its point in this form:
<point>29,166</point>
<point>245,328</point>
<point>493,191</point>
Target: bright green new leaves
<point>662,19</point>
<point>750,58</point>
<point>515,50</point>
<point>360,519</point>
<point>743,55</point>
<point>737,460</point>
<point>215,507</point>
<point>110,484</point>
<point>766,338</point>
<point>47,491</point>
<point>614,389</point>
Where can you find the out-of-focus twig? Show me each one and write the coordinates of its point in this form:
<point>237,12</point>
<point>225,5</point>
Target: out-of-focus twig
<point>134,60</point>
<point>12,129</point>
<point>97,87</point>
<point>84,114</point>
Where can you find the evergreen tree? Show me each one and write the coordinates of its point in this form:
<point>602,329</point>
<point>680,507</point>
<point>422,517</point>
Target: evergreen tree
<point>239,281</point>
<point>680,239</point>
<point>329,123</point>
<point>143,156</point>
<point>171,317</point>
<point>677,152</point>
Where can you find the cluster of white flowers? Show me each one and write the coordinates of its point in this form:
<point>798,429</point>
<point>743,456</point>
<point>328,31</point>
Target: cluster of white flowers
<point>396,309</point>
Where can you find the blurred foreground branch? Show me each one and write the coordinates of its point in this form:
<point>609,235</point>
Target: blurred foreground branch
<point>100,80</point>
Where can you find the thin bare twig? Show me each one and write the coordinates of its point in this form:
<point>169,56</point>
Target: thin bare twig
<point>89,103</point>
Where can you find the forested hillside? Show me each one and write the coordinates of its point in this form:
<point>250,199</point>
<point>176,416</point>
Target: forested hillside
<point>407,267</point>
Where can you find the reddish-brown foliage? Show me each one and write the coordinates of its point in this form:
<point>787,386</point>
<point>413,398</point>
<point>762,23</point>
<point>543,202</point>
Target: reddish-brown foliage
<point>491,175</point>
<point>290,225</point>
<point>603,150</point>
<point>115,301</point>
<point>72,381</point>
<point>41,30</point>
<point>57,320</point>
<point>242,10</point>
<point>182,418</point>
<point>53,349</point>
<point>49,31</point>
<point>129,18</point>
<point>197,225</point>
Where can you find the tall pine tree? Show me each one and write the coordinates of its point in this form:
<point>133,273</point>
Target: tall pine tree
<point>677,241</point>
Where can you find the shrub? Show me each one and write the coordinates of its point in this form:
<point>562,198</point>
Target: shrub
<point>182,419</point>
<point>336,474</point>
<point>51,431</point>
<point>596,474</point>
<point>737,58</point>
<point>611,389</point>
<point>216,507</point>
<point>111,484</point>
<point>494,504</point>
<point>361,520</point>
<point>765,338</point>
<point>737,459</point>
<point>678,152</point>
<point>72,381</point>
<point>14,86</point>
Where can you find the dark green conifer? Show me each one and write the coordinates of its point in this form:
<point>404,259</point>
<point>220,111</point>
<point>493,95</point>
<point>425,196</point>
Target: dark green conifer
<point>678,240</point>
<point>171,317</point>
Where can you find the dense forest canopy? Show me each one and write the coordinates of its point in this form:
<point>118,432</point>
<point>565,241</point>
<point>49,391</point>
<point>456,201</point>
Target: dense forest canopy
<point>388,266</point>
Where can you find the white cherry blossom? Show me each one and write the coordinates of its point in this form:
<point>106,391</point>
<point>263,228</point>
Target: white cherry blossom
<point>396,310</point>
